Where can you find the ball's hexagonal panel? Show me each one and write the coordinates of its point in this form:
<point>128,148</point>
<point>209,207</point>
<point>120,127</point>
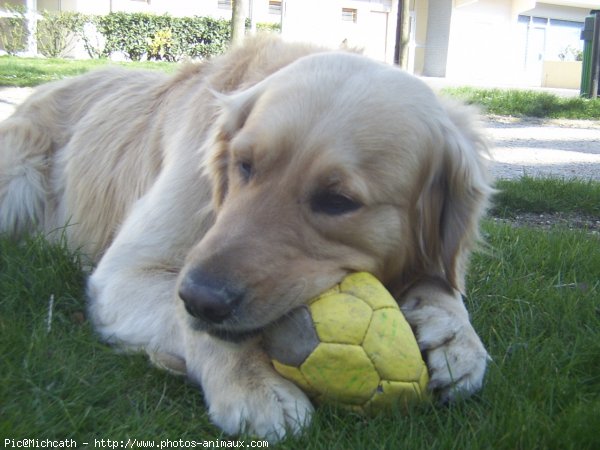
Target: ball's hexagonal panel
<point>368,288</point>
<point>392,347</point>
<point>342,372</point>
<point>340,318</point>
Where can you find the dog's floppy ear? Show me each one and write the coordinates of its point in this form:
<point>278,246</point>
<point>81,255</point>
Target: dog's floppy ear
<point>453,199</point>
<point>233,112</point>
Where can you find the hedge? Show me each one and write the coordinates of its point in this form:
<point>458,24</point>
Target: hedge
<point>161,37</point>
<point>136,35</point>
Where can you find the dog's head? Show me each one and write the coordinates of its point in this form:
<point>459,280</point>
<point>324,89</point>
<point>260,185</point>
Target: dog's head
<point>332,165</point>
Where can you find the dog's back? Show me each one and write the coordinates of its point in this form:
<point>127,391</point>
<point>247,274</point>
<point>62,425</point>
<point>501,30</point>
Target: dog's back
<point>77,146</point>
<point>81,151</point>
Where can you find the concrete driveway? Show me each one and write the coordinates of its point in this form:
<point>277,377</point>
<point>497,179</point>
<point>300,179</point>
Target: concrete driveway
<point>536,147</point>
<point>10,98</point>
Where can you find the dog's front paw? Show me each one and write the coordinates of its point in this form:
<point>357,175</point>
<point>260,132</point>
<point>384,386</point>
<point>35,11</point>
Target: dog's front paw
<point>269,407</point>
<point>455,356</point>
<point>456,359</point>
<point>243,393</point>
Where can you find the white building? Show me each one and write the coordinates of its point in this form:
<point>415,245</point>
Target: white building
<point>502,41</point>
<point>366,24</point>
<point>490,41</point>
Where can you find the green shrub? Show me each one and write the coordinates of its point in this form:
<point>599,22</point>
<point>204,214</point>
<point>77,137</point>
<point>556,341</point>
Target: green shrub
<point>125,32</point>
<point>269,27</point>
<point>160,46</point>
<point>162,37</point>
<point>13,29</point>
<point>202,37</point>
<point>57,32</point>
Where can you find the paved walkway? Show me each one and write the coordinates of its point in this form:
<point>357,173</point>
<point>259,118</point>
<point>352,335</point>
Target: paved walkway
<point>10,98</point>
<point>562,148</point>
<point>535,147</point>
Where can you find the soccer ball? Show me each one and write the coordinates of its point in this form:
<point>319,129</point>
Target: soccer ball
<point>350,346</point>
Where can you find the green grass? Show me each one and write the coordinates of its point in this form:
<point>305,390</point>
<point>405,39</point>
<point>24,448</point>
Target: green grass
<point>513,102</point>
<point>534,299</point>
<point>27,72</point>
<point>546,195</point>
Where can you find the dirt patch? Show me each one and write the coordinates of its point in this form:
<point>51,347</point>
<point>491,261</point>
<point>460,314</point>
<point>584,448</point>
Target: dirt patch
<point>548,221</point>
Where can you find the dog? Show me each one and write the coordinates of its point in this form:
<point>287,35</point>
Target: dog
<point>214,201</point>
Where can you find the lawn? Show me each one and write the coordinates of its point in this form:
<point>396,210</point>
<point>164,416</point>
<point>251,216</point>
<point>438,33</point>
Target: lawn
<point>28,72</point>
<point>546,195</point>
<point>534,299</point>
<point>516,102</point>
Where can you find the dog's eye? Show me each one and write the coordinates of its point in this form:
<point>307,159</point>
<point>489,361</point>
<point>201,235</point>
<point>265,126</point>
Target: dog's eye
<point>245,168</point>
<point>333,204</point>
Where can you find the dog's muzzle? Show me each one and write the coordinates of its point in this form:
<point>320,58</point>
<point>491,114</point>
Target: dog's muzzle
<point>208,298</point>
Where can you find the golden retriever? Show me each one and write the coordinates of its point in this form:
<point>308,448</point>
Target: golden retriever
<point>216,200</point>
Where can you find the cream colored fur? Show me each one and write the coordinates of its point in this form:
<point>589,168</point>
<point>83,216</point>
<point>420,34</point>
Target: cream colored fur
<point>226,168</point>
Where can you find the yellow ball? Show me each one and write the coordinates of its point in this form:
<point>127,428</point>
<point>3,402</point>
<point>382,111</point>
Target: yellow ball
<point>351,346</point>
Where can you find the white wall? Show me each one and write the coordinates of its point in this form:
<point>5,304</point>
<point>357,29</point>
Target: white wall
<point>485,44</point>
<point>316,21</point>
<point>320,21</point>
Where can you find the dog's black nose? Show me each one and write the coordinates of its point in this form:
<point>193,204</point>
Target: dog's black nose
<point>208,298</point>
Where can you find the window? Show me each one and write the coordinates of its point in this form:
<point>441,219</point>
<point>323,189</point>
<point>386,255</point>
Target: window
<point>275,7</point>
<point>564,43</point>
<point>551,39</point>
<point>349,15</point>
<point>225,4</point>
